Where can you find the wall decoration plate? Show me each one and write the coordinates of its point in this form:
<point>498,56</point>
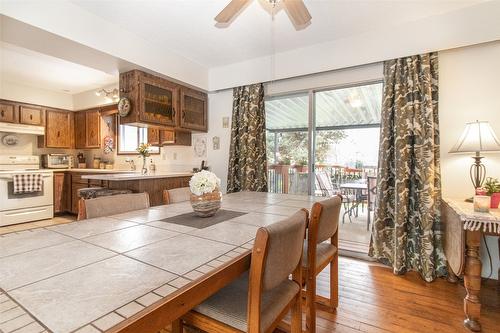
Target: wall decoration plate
<point>124,106</point>
<point>200,146</point>
<point>10,140</point>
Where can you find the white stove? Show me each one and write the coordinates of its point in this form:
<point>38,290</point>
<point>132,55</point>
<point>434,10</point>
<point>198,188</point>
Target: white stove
<point>26,207</point>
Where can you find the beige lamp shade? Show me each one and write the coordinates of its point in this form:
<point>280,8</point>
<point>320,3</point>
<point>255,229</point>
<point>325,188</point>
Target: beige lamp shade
<point>477,136</point>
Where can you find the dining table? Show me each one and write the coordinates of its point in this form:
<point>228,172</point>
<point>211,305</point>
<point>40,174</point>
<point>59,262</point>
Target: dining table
<point>137,271</point>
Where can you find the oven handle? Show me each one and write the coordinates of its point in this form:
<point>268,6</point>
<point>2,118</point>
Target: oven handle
<point>25,213</point>
<point>11,178</point>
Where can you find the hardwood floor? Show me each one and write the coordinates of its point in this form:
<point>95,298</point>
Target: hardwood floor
<point>374,300</point>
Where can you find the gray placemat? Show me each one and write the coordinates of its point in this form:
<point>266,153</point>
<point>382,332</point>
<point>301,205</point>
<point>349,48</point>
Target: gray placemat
<point>191,220</point>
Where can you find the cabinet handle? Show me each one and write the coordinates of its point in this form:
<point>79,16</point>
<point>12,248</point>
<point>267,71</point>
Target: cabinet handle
<point>58,134</point>
<point>2,113</point>
<point>173,112</point>
<point>183,114</point>
<point>31,117</point>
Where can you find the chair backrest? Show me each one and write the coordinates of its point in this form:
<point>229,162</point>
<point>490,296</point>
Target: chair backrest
<point>324,183</point>
<point>324,219</point>
<point>277,253</point>
<point>176,195</point>
<point>115,204</point>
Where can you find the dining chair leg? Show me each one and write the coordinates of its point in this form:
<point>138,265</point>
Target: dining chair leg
<point>177,326</point>
<point>311,305</point>
<point>296,324</point>
<point>334,282</point>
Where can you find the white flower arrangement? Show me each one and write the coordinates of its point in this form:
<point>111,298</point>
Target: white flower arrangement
<point>204,182</point>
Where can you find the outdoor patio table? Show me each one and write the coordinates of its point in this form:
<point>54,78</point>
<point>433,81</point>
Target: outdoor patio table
<point>358,191</point>
<point>132,272</point>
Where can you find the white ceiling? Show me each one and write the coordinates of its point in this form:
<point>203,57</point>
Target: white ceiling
<point>30,68</point>
<point>186,27</point>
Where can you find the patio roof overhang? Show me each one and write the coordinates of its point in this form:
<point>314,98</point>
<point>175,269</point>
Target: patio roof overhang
<point>345,108</point>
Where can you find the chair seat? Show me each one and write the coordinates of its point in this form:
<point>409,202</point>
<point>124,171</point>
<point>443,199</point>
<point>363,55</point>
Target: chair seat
<point>324,251</point>
<point>229,305</point>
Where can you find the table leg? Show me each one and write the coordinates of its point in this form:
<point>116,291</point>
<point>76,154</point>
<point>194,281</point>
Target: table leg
<point>472,281</point>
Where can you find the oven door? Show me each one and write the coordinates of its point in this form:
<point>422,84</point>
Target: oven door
<point>10,201</point>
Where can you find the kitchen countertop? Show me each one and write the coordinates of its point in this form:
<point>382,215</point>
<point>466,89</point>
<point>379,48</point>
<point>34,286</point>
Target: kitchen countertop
<point>91,170</point>
<point>137,176</point>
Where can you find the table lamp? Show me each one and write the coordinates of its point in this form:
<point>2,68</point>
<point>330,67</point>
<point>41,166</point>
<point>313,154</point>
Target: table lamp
<point>477,137</point>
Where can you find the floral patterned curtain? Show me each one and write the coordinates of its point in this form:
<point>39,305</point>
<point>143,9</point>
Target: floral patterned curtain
<point>407,229</point>
<point>247,156</point>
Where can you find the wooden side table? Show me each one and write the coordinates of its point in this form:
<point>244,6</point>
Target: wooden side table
<point>463,229</point>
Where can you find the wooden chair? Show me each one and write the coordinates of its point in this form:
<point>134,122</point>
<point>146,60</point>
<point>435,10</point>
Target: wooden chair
<point>258,301</point>
<point>111,205</point>
<point>176,195</point>
<point>323,226</point>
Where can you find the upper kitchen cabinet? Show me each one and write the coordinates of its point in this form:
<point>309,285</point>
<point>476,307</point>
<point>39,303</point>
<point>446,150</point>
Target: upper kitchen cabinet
<point>154,136</point>
<point>8,112</point>
<point>154,101</point>
<point>31,115</point>
<point>88,129</point>
<point>193,107</point>
<point>58,129</point>
<point>92,129</point>
<point>158,102</point>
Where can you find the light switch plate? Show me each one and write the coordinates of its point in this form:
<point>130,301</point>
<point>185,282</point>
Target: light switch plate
<point>216,142</point>
<point>225,122</point>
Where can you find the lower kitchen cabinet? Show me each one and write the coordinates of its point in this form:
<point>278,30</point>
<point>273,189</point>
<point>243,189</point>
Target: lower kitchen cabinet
<point>62,191</point>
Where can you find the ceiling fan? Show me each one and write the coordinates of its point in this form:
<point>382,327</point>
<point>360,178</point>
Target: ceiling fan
<point>296,9</point>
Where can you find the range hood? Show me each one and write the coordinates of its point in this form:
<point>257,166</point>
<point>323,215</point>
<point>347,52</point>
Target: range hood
<point>22,129</point>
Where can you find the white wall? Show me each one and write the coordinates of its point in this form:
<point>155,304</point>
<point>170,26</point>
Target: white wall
<point>469,90</point>
<point>220,105</point>
<point>27,94</point>
<point>88,99</point>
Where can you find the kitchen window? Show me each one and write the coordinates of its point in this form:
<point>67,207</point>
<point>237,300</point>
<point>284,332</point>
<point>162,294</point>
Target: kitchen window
<point>130,137</point>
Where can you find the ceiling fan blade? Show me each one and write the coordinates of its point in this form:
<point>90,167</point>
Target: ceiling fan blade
<point>230,11</point>
<point>297,11</point>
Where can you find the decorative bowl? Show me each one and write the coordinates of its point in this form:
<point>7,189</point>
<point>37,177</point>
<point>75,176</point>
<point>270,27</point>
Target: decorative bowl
<point>207,204</point>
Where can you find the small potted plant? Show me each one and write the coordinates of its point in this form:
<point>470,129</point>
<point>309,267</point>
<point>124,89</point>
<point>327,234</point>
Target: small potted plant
<point>205,193</point>
<point>492,187</point>
<point>301,165</point>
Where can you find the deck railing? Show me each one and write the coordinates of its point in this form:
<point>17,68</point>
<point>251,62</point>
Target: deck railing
<point>293,179</point>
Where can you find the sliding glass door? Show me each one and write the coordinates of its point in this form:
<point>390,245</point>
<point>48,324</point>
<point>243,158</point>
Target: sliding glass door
<point>325,143</point>
<point>287,121</point>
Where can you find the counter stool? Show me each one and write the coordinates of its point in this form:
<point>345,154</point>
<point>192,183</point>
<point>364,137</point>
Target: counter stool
<point>92,193</point>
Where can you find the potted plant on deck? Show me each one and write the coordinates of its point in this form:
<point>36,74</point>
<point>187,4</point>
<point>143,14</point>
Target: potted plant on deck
<point>492,187</point>
<point>300,165</point>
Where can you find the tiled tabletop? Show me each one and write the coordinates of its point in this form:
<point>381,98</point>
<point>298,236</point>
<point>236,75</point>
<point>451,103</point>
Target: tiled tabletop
<point>90,275</point>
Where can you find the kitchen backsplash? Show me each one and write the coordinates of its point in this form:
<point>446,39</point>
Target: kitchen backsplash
<point>171,158</point>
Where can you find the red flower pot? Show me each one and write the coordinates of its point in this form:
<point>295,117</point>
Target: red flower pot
<point>495,200</point>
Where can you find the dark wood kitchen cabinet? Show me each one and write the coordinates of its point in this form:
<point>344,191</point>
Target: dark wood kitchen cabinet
<point>87,129</point>
<point>193,110</point>
<point>31,115</point>
<point>80,135</point>
<point>58,129</point>
<point>154,136</point>
<point>62,192</point>
<point>92,129</point>
<point>154,100</point>
<point>8,112</point>
<point>158,102</point>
